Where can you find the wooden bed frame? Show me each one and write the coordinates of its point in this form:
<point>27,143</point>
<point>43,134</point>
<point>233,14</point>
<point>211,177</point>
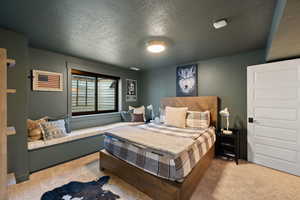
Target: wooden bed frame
<point>156,187</point>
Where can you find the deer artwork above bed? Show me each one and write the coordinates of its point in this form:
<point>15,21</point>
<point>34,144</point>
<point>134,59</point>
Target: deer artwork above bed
<point>187,80</point>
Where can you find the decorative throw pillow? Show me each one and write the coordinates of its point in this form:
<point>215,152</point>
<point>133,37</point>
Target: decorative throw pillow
<point>126,116</point>
<point>66,118</point>
<point>35,134</point>
<point>162,115</point>
<point>34,129</point>
<point>137,117</point>
<point>138,110</point>
<point>54,129</point>
<point>176,116</point>
<point>149,113</point>
<point>197,119</point>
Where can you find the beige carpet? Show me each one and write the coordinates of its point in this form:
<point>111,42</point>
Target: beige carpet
<point>223,181</point>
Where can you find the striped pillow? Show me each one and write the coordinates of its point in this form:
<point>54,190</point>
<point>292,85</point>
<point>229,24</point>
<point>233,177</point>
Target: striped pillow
<point>54,129</point>
<point>197,119</point>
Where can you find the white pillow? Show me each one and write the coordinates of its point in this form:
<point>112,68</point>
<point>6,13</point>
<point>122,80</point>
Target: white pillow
<point>138,110</point>
<point>176,116</point>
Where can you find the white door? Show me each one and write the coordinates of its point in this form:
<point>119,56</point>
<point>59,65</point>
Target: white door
<point>273,94</point>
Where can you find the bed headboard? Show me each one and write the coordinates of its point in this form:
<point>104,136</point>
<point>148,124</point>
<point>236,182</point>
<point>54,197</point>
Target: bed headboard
<point>201,103</point>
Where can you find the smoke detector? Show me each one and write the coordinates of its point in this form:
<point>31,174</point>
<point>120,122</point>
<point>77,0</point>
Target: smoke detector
<point>220,23</point>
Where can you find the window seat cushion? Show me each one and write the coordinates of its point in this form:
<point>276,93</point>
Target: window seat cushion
<point>78,134</point>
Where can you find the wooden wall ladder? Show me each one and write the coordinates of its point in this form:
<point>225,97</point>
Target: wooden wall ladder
<point>4,130</point>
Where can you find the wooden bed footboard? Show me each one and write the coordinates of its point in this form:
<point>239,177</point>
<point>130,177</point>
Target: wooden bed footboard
<point>155,187</point>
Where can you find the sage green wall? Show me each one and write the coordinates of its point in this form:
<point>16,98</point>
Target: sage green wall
<point>17,104</point>
<point>56,103</point>
<point>225,77</point>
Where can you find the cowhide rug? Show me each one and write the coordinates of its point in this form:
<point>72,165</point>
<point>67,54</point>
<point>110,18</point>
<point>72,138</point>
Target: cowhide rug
<point>81,191</point>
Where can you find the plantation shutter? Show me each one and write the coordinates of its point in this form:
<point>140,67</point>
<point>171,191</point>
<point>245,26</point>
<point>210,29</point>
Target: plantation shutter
<point>93,93</point>
<point>107,94</point>
<point>83,93</point>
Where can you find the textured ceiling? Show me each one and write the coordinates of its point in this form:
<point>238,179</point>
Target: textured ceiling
<point>286,40</point>
<point>114,31</point>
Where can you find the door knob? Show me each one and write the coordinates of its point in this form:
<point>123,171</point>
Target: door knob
<point>250,120</point>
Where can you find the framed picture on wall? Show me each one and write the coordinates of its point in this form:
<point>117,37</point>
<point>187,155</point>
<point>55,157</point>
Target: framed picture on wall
<point>187,80</point>
<point>131,90</point>
<point>47,81</point>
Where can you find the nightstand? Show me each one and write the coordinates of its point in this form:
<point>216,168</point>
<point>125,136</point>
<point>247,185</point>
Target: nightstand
<point>227,146</point>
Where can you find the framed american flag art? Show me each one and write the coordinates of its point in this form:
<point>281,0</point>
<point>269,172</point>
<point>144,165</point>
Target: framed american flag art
<point>47,81</point>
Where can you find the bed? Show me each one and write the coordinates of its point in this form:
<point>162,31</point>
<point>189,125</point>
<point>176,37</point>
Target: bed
<point>164,170</point>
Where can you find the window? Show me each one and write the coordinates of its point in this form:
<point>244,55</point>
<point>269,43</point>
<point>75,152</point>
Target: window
<point>93,93</point>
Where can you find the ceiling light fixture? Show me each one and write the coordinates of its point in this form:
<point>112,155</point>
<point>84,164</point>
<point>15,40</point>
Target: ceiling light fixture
<point>135,68</point>
<point>156,46</point>
<point>220,23</point>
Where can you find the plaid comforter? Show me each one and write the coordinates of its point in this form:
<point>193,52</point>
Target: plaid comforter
<point>158,163</point>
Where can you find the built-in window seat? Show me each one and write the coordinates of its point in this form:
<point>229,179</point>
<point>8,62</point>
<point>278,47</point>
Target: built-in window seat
<point>78,143</point>
<point>78,134</point>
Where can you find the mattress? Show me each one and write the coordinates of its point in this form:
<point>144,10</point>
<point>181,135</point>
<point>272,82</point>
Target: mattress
<point>158,162</point>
